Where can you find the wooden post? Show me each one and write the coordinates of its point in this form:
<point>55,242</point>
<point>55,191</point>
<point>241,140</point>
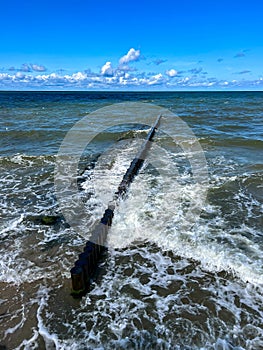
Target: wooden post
<point>85,267</point>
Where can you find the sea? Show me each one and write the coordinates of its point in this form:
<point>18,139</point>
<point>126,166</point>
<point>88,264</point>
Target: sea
<point>183,268</point>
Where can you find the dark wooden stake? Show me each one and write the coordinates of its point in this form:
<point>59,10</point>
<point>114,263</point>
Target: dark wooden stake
<point>86,265</point>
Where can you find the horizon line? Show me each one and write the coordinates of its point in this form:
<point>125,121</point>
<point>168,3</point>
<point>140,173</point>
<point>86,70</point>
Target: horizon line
<point>130,91</point>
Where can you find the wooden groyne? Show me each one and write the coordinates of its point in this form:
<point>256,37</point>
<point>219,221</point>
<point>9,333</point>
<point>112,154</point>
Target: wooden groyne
<point>87,263</point>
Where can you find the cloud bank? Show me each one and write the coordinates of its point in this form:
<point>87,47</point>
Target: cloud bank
<point>81,80</point>
<point>124,75</point>
<point>29,67</point>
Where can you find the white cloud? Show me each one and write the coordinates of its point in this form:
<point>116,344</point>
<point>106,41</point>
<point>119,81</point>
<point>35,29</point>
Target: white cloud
<point>25,67</point>
<point>126,68</point>
<point>38,68</point>
<point>79,76</point>
<point>184,80</point>
<point>19,75</point>
<point>154,80</point>
<point>171,72</point>
<point>132,55</point>
<point>118,79</point>
<point>107,70</point>
<point>5,77</point>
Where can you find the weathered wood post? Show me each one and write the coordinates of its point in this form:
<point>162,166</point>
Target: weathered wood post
<point>86,265</point>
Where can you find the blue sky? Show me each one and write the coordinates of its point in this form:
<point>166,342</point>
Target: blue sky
<point>131,45</point>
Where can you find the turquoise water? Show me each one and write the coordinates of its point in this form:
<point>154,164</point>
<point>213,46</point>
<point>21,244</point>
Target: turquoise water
<point>158,287</point>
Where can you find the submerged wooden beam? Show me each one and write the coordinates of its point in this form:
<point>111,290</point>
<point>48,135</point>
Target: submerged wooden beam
<point>87,263</point>
<point>137,162</point>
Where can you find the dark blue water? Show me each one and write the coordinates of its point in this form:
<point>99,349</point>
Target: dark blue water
<point>159,287</point>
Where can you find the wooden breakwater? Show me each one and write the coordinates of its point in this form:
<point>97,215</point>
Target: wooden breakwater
<point>87,263</point>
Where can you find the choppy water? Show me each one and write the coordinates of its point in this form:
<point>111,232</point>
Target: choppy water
<point>159,287</point>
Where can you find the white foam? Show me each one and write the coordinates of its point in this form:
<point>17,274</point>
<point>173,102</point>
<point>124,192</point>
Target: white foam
<point>153,212</point>
<point>19,324</point>
<point>50,340</point>
<point>157,213</point>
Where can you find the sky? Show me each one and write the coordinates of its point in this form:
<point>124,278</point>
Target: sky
<point>131,45</point>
